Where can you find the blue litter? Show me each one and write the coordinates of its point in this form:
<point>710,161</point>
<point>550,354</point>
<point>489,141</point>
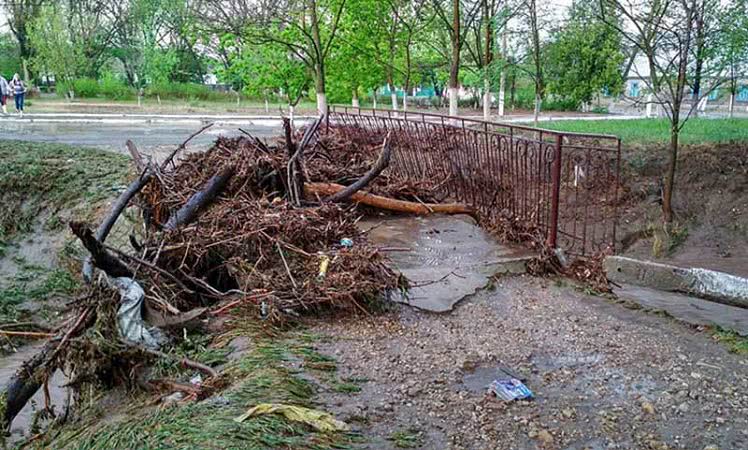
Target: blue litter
<point>510,389</point>
<point>346,242</point>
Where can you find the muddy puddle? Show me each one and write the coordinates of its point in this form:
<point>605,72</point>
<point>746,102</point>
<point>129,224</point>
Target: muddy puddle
<point>25,425</point>
<point>445,258</point>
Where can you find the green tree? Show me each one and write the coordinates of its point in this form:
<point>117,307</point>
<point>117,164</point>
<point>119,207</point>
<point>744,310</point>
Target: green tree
<point>10,56</point>
<point>584,57</point>
<point>733,49</point>
<point>55,50</point>
<point>270,68</point>
<point>20,14</point>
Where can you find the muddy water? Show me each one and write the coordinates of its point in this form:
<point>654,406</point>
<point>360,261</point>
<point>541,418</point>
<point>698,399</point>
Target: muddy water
<point>445,258</point>
<point>21,428</point>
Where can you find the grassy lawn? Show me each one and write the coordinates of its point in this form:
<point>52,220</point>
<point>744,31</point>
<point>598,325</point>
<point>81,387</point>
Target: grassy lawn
<point>149,105</point>
<point>657,130</point>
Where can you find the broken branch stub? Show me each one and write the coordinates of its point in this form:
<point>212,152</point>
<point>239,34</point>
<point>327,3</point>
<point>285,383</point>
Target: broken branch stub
<point>102,259</point>
<point>183,145</point>
<point>295,169</point>
<point>200,200</point>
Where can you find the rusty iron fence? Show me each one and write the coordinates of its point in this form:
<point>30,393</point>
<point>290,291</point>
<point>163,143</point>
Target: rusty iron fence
<point>566,184</point>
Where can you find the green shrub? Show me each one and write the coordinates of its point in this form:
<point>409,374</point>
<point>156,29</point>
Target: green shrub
<point>560,104</point>
<point>86,88</point>
<point>114,89</point>
<point>187,91</point>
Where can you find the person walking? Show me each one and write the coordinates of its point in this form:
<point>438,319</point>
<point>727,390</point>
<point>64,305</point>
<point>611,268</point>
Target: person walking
<point>19,90</point>
<point>4,93</point>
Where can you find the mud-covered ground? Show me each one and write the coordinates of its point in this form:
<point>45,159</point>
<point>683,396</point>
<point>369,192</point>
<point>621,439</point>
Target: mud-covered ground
<point>605,376</point>
<point>710,200</point>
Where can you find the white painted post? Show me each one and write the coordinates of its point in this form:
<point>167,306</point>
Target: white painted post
<point>649,106</point>
<point>322,103</point>
<point>453,101</point>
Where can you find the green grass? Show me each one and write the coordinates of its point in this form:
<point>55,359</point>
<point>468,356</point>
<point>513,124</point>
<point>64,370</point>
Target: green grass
<point>646,131</point>
<point>41,178</point>
<point>734,342</point>
<point>261,376</point>
<point>408,438</point>
<point>33,284</point>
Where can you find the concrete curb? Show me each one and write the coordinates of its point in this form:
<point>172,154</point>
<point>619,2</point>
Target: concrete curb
<point>708,284</point>
<point>129,119</point>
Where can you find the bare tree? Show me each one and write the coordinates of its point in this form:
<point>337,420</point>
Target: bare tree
<point>666,33</point>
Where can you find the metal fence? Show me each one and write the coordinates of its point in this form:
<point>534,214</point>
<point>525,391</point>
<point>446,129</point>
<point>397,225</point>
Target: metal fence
<point>566,184</point>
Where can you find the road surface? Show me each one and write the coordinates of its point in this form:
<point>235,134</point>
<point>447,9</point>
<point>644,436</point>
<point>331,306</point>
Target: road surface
<point>150,133</point>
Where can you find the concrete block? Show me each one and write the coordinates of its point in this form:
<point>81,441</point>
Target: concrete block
<point>709,284</point>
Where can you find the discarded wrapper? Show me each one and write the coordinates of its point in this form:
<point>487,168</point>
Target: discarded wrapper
<point>323,265</point>
<point>346,242</point>
<point>509,389</point>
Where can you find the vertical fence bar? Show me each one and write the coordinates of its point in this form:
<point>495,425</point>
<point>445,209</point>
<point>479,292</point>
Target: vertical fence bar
<point>555,194</point>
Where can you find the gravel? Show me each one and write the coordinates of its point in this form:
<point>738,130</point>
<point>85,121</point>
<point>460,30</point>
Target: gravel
<point>604,376</point>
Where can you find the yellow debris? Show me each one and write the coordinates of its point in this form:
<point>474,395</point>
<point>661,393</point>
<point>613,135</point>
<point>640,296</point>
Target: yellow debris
<point>320,420</point>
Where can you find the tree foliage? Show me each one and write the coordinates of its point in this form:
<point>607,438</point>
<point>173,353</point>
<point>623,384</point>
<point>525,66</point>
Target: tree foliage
<point>584,57</point>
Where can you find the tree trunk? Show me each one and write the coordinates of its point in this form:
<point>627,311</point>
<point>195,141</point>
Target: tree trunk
<point>535,35</point>
<point>393,97</point>
<point>732,105</point>
<point>354,99</point>
<point>405,101</point>
<point>489,55</point>
<point>699,57</point>
<point>374,99</point>
<point>513,91</point>
<point>454,72</point>
<point>536,113</point>
<point>502,81</point>
<point>667,194</point>
<point>319,63</point>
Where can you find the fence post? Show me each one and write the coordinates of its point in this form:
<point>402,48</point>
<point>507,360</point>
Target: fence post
<point>555,193</point>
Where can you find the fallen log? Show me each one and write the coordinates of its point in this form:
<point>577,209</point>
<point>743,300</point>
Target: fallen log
<point>124,199</point>
<point>382,162</point>
<point>24,384</point>
<point>315,190</point>
<point>199,200</point>
<point>101,257</point>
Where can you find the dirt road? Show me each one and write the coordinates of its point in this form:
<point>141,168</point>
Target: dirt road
<point>605,376</point>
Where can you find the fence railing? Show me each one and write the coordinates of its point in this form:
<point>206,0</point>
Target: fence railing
<point>566,184</point>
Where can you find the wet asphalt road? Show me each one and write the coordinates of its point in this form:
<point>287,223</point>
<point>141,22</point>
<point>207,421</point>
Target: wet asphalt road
<point>148,137</point>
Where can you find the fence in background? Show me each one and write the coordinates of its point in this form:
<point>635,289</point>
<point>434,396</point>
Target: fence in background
<point>566,184</point>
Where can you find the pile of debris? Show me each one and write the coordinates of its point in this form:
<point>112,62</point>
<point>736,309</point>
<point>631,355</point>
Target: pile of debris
<point>262,229</point>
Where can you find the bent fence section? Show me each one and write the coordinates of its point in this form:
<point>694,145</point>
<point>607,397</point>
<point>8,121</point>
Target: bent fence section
<point>566,184</point>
